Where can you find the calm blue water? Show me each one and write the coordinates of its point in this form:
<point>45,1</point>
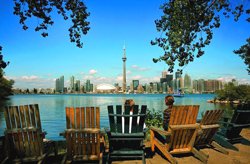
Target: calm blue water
<point>52,107</point>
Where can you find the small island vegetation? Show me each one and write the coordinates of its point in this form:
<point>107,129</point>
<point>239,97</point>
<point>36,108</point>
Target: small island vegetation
<point>233,94</point>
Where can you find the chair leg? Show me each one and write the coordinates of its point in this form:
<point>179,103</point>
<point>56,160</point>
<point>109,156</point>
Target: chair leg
<point>219,147</point>
<point>202,156</point>
<point>143,159</point>
<point>64,159</point>
<point>164,151</point>
<point>152,141</point>
<point>223,142</point>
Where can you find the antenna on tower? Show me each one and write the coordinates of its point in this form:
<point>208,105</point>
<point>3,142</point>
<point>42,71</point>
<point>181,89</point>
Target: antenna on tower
<point>124,47</point>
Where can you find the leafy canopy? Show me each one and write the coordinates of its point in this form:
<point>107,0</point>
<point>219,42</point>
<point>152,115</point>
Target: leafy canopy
<point>73,9</point>
<point>244,53</point>
<point>187,26</point>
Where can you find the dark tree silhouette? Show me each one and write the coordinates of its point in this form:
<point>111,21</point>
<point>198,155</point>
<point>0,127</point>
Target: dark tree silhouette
<point>187,26</point>
<point>244,53</point>
<point>73,9</point>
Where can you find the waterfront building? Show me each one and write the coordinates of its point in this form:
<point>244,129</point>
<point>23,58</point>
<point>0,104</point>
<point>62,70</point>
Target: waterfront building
<point>59,85</point>
<point>187,83</point>
<point>87,86</point>
<point>135,84</point>
<point>148,88</point>
<point>177,74</point>
<point>165,87</point>
<point>201,85</point>
<point>72,84</point>
<point>124,58</point>
<point>105,88</point>
<point>155,87</point>
<point>77,87</point>
<point>140,89</point>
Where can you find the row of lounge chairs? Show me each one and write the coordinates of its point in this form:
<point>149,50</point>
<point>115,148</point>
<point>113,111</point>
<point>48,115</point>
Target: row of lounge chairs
<point>25,140</point>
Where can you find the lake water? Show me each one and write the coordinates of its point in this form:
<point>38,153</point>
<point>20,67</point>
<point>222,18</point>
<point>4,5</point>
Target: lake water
<point>52,107</point>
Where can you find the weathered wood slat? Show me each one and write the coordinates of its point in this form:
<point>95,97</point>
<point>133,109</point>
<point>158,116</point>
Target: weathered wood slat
<point>22,114</point>
<point>12,117</point>
<point>32,116</point>
<point>118,123</point>
<point>126,119</point>
<point>67,117</point>
<point>17,117</point>
<point>38,119</point>
<point>78,118</point>
<point>134,128</point>
<point>111,118</point>
<point>142,118</point>
<point>7,117</point>
<point>93,120</point>
<point>27,115</point>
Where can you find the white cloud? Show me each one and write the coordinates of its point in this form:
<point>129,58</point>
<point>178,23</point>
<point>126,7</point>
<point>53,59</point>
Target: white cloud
<point>92,72</point>
<point>137,68</point>
<point>30,78</point>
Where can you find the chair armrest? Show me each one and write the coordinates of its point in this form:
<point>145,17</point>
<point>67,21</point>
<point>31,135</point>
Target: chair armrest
<point>234,124</point>
<point>160,131</point>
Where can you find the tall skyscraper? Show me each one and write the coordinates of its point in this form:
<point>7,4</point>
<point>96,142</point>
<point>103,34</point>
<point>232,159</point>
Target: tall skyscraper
<point>187,83</point>
<point>124,85</point>
<point>135,84</point>
<point>60,84</point>
<point>72,82</point>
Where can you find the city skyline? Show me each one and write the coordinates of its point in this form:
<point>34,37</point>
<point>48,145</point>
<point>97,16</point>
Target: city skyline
<point>38,62</point>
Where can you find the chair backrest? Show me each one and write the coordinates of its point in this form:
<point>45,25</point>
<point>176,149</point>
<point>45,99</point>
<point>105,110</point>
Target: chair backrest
<point>241,117</point>
<point>184,114</point>
<point>211,117</point>
<point>23,131</point>
<point>23,116</point>
<point>209,125</point>
<point>115,118</point>
<point>83,133</point>
<point>183,128</point>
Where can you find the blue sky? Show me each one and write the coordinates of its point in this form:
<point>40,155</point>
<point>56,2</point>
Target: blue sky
<point>36,61</point>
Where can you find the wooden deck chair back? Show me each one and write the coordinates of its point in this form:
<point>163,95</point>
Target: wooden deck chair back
<point>183,127</point>
<point>115,118</point>
<point>209,127</point>
<point>23,132</point>
<point>181,134</point>
<point>83,133</point>
<point>241,117</point>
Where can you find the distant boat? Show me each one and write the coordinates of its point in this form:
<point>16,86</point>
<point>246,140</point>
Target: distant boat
<point>179,94</point>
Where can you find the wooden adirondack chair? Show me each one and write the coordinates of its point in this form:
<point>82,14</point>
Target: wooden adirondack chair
<point>126,145</point>
<point>83,134</point>
<point>231,128</point>
<point>209,126</point>
<point>23,134</point>
<point>181,134</point>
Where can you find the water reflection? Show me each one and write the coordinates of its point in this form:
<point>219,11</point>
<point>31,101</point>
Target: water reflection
<point>52,107</point>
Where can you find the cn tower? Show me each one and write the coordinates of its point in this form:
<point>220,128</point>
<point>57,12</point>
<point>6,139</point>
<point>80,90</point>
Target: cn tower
<point>124,58</point>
